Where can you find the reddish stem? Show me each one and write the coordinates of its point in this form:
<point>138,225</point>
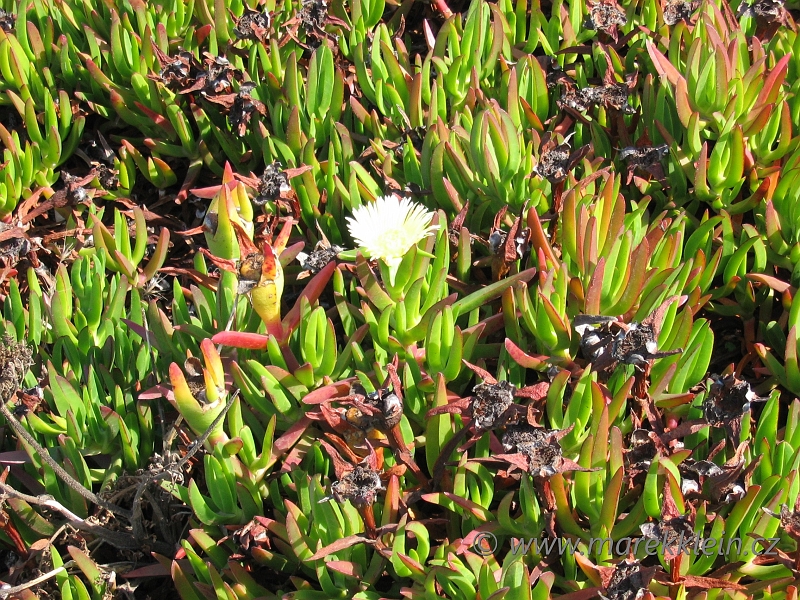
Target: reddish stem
<point>442,7</point>
<point>369,522</point>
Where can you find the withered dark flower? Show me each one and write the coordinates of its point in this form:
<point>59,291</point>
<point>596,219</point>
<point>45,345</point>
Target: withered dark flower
<point>727,402</point>
<point>606,16</point>
<point>107,177</point>
<point>312,18</point>
<point>557,160</point>
<point>639,456</point>
<point>74,186</point>
<point>507,248</point>
<point>768,11</point>
<point>675,530</point>
<point>790,519</point>
<point>244,106</point>
<point>381,408</point>
<point>554,162</point>
<point>323,254</point>
<point>360,486</point>
<point>28,401</point>
<point>253,25</point>
<point>645,156</point>
<point>313,15</point>
<point>15,360</point>
<point>16,246</point>
<point>195,379</point>
<point>677,10</point>
<point>637,345</point>
<point>555,75</point>
<point>613,341</point>
<point>7,21</point>
<point>724,484</point>
<point>521,434</point>
<point>179,70</point>
<point>544,460</point>
<point>365,413</point>
<point>254,535</point>
<point>642,448</point>
<point>491,406</point>
<point>490,402</point>
<point>610,95</point>
<point>218,75</point>
<point>676,534</point>
<point>536,450</point>
<point>272,184</point>
<point>185,73</point>
<point>627,580</point>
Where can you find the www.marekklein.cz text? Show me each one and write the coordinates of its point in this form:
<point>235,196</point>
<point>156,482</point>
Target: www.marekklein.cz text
<point>684,544</point>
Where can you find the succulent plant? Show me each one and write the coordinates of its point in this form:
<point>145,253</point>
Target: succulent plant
<point>590,207</point>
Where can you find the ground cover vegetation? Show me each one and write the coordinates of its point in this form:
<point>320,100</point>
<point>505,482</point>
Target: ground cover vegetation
<point>345,299</point>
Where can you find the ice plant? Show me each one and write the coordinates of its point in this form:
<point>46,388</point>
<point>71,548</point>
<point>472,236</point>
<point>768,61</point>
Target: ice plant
<point>260,275</point>
<point>200,394</point>
<point>387,229</point>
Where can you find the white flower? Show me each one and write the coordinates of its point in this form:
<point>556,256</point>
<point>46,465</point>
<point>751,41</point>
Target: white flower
<point>389,227</point>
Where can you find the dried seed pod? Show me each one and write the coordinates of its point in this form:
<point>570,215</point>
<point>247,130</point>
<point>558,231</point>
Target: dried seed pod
<point>7,21</point>
<point>180,71</point>
<point>392,410</point>
<point>626,581</point>
<point>675,533</point>
<point>554,162</point>
<point>521,434</point>
<point>596,341</point>
<point>360,486</point>
<point>250,272</point>
<point>382,409</point>
<point>313,15</point>
<point>544,459</point>
<point>677,10</point>
<point>728,400</point>
<point>490,402</point>
<point>605,16</point>
<point>497,240</point>
<point>642,448</point>
<point>274,182</point>
<point>790,519</point>
<point>244,106</point>
<point>614,96</point>
<point>195,378</point>
<point>726,484</point>
<point>319,258</point>
<point>636,345</point>
<point>253,535</point>
<point>253,25</point>
<point>107,177</point>
<point>613,341</point>
<point>645,156</point>
<point>14,247</point>
<point>768,11</point>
